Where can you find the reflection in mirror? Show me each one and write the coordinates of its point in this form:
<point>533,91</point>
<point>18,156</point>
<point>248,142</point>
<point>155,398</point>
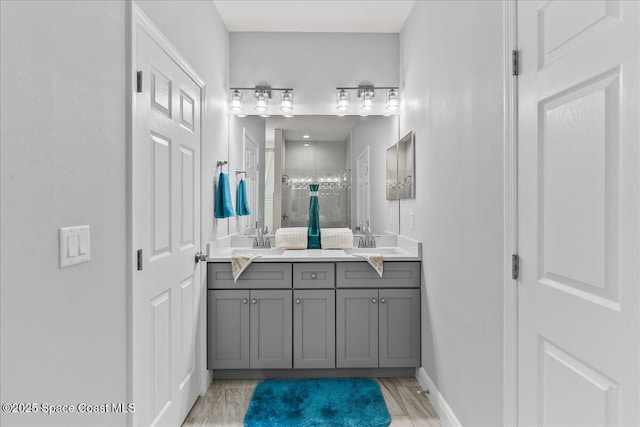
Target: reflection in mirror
<point>392,172</point>
<point>406,167</point>
<point>345,155</point>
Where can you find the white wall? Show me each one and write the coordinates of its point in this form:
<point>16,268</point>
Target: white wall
<point>63,114</point>
<point>379,133</point>
<point>451,90</point>
<point>313,64</point>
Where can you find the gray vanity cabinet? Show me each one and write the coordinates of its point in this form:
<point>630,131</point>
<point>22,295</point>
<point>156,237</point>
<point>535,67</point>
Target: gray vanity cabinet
<point>314,328</point>
<point>399,324</point>
<point>228,329</point>
<point>377,328</point>
<point>270,346</point>
<point>357,328</point>
<point>249,329</point>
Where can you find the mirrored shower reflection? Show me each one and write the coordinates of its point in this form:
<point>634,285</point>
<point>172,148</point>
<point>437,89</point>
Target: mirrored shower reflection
<point>322,162</point>
<point>334,197</point>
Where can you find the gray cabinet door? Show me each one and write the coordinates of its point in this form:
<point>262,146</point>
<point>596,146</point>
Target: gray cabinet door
<point>314,329</point>
<point>399,311</point>
<point>271,333</point>
<point>357,328</point>
<point>228,329</point>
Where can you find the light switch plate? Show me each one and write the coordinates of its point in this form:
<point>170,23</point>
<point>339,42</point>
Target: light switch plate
<point>75,245</point>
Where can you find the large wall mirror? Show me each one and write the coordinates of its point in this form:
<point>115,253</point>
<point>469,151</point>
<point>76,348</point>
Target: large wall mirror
<point>345,155</point>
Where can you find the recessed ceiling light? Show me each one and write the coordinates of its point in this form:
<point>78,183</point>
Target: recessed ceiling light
<point>306,145</point>
<point>306,136</point>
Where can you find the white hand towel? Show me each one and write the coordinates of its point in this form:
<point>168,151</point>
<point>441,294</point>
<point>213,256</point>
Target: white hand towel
<point>239,263</point>
<point>336,238</point>
<point>374,260</point>
<point>291,238</point>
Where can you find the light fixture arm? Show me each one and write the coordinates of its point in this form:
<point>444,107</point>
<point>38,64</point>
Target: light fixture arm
<point>267,89</point>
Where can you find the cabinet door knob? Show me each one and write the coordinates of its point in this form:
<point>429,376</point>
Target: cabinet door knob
<point>383,300</point>
<point>314,275</point>
<point>254,301</point>
<point>373,300</point>
<point>244,300</point>
<point>298,300</point>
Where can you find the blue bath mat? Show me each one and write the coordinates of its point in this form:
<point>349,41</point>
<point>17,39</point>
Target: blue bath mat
<point>344,402</point>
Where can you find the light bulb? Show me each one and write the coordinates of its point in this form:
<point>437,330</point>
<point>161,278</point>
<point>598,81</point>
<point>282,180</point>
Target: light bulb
<point>236,101</point>
<point>262,101</point>
<point>286,101</point>
<point>367,99</point>
<point>393,100</point>
<point>342,100</point>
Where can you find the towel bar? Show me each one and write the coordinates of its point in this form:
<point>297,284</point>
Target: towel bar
<point>238,171</point>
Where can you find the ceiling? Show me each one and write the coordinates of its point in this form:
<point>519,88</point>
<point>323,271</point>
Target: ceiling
<point>344,16</point>
<point>319,128</point>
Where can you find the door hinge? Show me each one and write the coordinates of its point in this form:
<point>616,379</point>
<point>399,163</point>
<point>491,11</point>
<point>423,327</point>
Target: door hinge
<point>515,266</point>
<point>515,63</point>
<point>139,82</point>
<point>139,259</point>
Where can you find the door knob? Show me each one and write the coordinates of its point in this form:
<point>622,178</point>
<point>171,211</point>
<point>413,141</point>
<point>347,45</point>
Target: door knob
<point>383,300</point>
<point>298,301</point>
<point>314,275</point>
<point>373,300</point>
<point>201,256</point>
<point>254,301</point>
<point>244,300</point>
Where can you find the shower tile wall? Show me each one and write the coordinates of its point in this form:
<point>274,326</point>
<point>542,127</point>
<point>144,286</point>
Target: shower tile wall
<point>324,163</point>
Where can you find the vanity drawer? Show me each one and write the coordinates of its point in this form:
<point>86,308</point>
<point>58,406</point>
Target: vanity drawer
<point>397,274</point>
<point>260,275</point>
<point>314,275</point>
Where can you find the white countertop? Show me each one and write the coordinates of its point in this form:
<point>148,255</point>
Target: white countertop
<point>406,250</point>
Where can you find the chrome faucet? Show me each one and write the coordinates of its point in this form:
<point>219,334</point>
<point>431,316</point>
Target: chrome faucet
<point>368,241</point>
<point>261,241</point>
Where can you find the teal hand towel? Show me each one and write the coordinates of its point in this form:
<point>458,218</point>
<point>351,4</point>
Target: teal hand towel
<point>242,204</point>
<point>222,205</point>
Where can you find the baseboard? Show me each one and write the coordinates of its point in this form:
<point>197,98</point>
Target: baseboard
<point>447,417</point>
<point>262,374</point>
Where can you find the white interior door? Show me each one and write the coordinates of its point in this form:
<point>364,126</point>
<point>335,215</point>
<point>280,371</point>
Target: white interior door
<point>579,216</point>
<point>250,151</point>
<point>166,228</point>
<point>363,196</point>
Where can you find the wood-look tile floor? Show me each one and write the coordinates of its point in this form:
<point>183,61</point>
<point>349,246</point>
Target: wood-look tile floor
<point>226,402</point>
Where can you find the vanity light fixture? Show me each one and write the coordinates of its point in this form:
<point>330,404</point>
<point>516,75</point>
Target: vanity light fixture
<point>262,94</point>
<point>366,93</point>
<point>262,101</point>
<point>366,97</point>
<point>393,100</point>
<point>286,101</point>
<point>236,101</point>
<point>342,101</point>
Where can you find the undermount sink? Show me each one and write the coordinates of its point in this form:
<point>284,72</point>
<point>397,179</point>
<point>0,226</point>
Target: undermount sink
<point>371,251</point>
<point>258,251</point>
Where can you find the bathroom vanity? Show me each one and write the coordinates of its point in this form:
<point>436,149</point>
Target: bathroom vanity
<point>320,313</point>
